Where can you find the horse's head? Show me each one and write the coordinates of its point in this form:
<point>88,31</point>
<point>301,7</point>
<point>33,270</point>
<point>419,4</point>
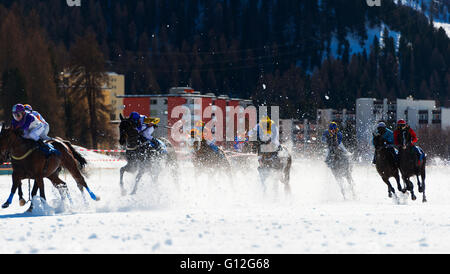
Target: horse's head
<point>8,137</point>
<point>127,130</point>
<point>378,141</point>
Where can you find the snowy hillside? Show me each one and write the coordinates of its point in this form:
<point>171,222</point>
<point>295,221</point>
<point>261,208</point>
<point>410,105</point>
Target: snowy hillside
<point>436,9</point>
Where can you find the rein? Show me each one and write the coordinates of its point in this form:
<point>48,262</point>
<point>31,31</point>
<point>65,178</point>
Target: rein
<point>24,156</point>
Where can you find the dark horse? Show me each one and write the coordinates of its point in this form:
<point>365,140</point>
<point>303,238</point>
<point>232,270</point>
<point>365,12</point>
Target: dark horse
<point>386,163</point>
<point>341,168</point>
<point>278,162</point>
<point>141,156</point>
<point>411,165</point>
<point>28,162</point>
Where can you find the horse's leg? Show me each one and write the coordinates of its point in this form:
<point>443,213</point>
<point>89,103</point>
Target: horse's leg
<point>38,185</point>
<point>22,201</point>
<point>60,185</point>
<point>391,190</point>
<point>287,175</point>
<point>16,183</point>
<point>124,169</point>
<point>349,178</point>
<point>173,164</point>
<point>423,175</point>
<point>411,189</point>
<point>399,186</point>
<point>138,179</point>
<point>340,182</point>
<point>262,177</point>
<point>71,166</point>
<point>419,185</point>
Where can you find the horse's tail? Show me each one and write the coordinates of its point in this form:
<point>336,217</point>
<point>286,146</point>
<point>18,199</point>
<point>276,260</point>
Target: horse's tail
<point>81,160</point>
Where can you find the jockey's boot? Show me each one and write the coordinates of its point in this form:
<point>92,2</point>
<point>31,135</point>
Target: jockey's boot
<point>48,149</point>
<point>216,149</point>
<point>157,146</point>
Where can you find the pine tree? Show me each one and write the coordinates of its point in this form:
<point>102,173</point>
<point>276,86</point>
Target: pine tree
<point>87,73</point>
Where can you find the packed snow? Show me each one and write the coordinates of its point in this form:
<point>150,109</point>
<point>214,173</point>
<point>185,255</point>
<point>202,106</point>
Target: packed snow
<point>212,214</point>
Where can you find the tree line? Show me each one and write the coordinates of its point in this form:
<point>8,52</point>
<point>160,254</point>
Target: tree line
<point>274,52</point>
<point>33,69</point>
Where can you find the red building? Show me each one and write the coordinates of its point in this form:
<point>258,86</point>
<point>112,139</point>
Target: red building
<point>163,105</point>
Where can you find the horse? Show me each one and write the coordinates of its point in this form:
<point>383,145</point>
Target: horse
<point>204,158</point>
<point>411,165</point>
<point>386,164</point>
<point>141,156</point>
<point>29,162</point>
<point>341,168</point>
<point>279,162</point>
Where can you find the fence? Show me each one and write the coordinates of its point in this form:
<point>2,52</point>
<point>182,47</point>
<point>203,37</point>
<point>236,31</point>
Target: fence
<point>6,168</point>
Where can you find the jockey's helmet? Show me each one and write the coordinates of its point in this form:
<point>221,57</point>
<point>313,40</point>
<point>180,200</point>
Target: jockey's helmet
<point>134,116</point>
<point>401,124</point>
<point>195,133</point>
<point>265,119</point>
<point>199,124</point>
<point>333,126</point>
<point>381,128</point>
<point>18,111</point>
<point>28,107</point>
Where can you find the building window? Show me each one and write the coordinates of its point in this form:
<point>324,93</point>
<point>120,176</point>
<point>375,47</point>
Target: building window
<point>423,117</point>
<point>154,102</point>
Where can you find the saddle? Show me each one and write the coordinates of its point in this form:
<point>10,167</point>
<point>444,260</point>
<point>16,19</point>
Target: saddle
<point>270,159</point>
<point>47,148</point>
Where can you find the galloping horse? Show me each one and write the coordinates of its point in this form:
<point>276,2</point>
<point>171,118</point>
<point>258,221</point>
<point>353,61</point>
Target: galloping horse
<point>279,162</point>
<point>28,162</point>
<point>204,158</point>
<point>411,165</point>
<point>386,164</point>
<point>341,168</point>
<point>141,156</point>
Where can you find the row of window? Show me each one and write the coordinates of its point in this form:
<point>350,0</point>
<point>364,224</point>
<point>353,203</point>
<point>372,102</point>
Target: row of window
<point>155,102</point>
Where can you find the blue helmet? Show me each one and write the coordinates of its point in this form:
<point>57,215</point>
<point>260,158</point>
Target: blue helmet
<point>134,116</point>
<point>382,125</point>
<point>333,126</point>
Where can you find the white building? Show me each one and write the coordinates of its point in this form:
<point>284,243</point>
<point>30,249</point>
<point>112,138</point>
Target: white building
<point>342,117</point>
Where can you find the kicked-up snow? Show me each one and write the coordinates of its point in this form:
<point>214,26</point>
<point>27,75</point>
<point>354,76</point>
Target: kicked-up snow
<point>211,213</point>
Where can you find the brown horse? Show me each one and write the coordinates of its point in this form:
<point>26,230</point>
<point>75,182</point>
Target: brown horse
<point>29,162</point>
<point>204,158</point>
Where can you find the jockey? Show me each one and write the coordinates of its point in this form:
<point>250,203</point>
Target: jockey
<point>267,132</point>
<point>405,131</point>
<point>32,128</point>
<point>36,114</point>
<point>388,136</point>
<point>239,143</point>
<point>146,126</point>
<point>333,137</point>
<point>206,134</point>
